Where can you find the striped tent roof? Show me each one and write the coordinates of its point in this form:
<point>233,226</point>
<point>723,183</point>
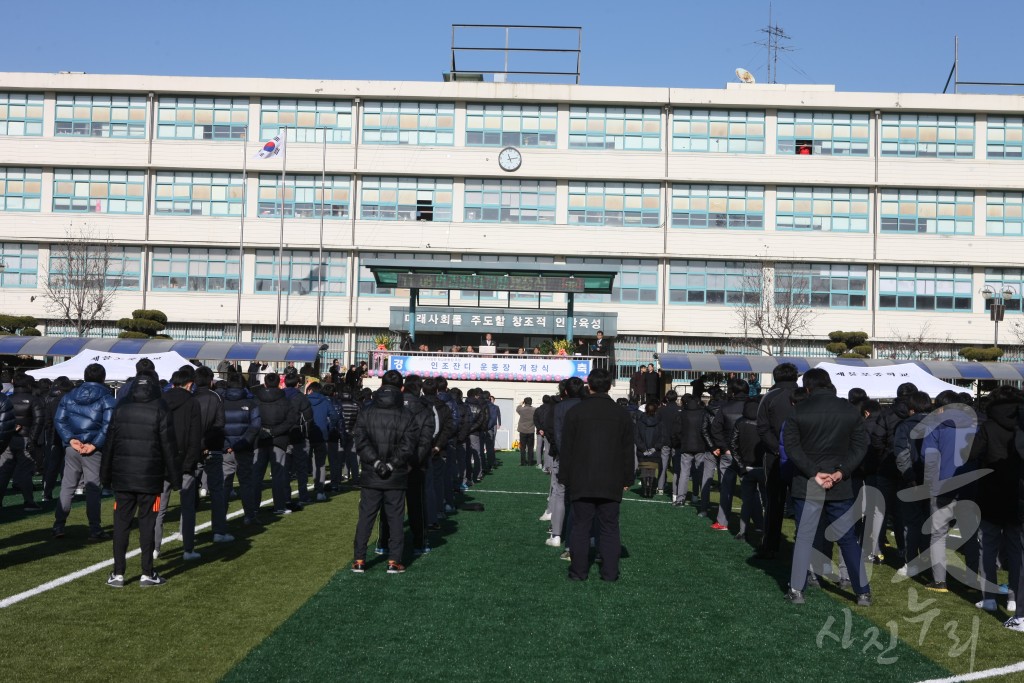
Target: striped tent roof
<point>233,351</point>
<point>713,362</point>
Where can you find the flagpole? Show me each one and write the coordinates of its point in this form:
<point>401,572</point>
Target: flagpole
<point>241,236</point>
<point>280,237</point>
<point>320,258</point>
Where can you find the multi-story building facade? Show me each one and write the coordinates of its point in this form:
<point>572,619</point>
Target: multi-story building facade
<point>887,212</point>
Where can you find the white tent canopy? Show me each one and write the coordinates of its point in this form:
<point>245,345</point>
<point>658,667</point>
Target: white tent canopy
<point>119,366</point>
<point>882,381</point>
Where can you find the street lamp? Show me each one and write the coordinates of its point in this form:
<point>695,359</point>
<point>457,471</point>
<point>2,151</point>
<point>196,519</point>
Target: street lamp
<point>997,304</point>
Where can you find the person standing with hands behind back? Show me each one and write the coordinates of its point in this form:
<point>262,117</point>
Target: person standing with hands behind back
<point>526,429</point>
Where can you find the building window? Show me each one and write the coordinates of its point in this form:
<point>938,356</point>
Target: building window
<point>97,191</point>
<point>307,120</point>
<point>821,285</point>
<point>615,128</point>
<point>195,270</point>
<point>303,197</point>
<point>1004,214</point>
<point>614,204</point>
<point>20,188</point>
<point>510,201</point>
<point>714,282</point>
<point>200,194</point>
<point>124,264</point>
<point>737,207</point>
<point>998,278</point>
<point>703,130</point>
<point>823,132</point>
<point>406,199</point>
<point>367,283</point>
<point>101,116</point>
<point>21,113</point>
<point>1005,137</point>
<point>20,264</point>
<point>943,212</point>
<point>498,125</point>
<point>835,209</point>
<point>910,288</point>
<point>409,123</point>
<point>305,272</point>
<point>928,135</point>
<point>202,118</point>
<point>636,282</point>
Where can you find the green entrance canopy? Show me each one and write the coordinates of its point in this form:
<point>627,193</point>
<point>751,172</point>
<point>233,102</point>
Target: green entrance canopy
<point>492,276</point>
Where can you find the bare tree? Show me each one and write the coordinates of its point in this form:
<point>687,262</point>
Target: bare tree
<point>83,280</point>
<point>774,309</point>
<point>920,344</point>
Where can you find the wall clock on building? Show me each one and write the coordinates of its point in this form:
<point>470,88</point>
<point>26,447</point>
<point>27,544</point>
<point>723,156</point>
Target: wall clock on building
<point>510,159</point>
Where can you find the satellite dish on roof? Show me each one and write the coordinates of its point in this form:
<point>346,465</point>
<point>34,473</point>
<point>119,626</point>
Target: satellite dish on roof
<point>745,76</point>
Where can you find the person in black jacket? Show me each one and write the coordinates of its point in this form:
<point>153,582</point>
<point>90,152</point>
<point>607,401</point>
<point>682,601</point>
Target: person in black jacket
<point>17,461</point>
<point>910,464</point>
<point>215,470</point>
<point>141,455</point>
<point>596,464</point>
<point>826,441</point>
<point>241,427</point>
<point>438,449</point>
<point>7,424</point>
<point>187,419</point>
<point>671,427</point>
<point>253,371</point>
<point>774,409</point>
<point>572,394</point>
<point>478,416</point>
<point>707,462</point>
<point>53,449</point>
<point>691,446</point>
<point>649,436</point>
<point>722,426</point>
<point>348,408</point>
<point>278,417</point>
<point>748,452</point>
<point>300,459</point>
<point>387,445</point>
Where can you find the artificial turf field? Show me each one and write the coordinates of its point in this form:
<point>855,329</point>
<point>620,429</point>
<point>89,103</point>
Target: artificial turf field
<point>490,602</point>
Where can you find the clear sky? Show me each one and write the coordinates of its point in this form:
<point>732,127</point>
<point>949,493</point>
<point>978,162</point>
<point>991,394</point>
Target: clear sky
<point>874,45</point>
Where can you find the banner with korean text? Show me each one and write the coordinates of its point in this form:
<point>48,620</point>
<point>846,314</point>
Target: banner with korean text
<point>492,368</point>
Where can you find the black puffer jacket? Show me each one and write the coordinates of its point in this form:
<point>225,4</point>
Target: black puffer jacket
<point>444,414</point>
<point>211,408</point>
<point>996,449</point>
<point>50,404</point>
<point>141,451</point>
<point>6,422</point>
<point>691,418</point>
<point>188,427</point>
<point>422,426</point>
<point>479,414</point>
<point>746,446</point>
<point>277,414</point>
<point>671,426</point>
<point>304,411</point>
<point>29,414</point>
<point>648,435</point>
<point>724,422</point>
<point>241,420</point>
<point>384,432</point>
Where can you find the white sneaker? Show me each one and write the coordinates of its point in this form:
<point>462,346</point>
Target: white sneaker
<point>903,571</point>
<point>546,517</point>
<point>223,538</point>
<point>1011,606</point>
<point>156,554</point>
<point>1015,624</point>
<point>989,605</point>
<point>188,556</point>
<point>203,493</point>
<point>554,542</point>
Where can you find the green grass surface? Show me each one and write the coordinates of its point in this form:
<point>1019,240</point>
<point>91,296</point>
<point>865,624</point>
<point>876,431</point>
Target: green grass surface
<point>491,601</point>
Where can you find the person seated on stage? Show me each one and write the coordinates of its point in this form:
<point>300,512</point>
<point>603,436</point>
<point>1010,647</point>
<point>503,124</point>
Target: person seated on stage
<point>521,351</point>
<point>536,351</point>
<point>456,348</point>
<point>469,349</point>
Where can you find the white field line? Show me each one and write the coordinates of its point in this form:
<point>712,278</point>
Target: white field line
<point>92,569</point>
<point>980,675</point>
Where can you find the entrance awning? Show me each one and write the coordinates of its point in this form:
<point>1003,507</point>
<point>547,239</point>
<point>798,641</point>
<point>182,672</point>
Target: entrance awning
<point>71,346</point>
<point>492,276</point>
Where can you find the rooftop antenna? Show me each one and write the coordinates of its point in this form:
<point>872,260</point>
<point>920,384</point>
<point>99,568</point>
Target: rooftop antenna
<point>774,35</point>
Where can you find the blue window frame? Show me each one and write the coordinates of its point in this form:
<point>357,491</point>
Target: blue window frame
<point>614,204</point>
<point>824,132</point>
<point>406,199</point>
<point>200,194</point>
<point>517,125</point>
<point>20,188</point>
<point>21,113</point>
<point>124,264</point>
<point>1004,214</point>
<point>202,118</point>
<point>998,278</point>
<point>626,128</point>
<point>943,212</point>
<point>928,135</point>
<point>718,130</point>
<point>1005,137</point>
<point>100,116</point>
<point>185,269</point>
<point>304,197</point>
<point>636,283</point>
<point>21,264</point>
<point>821,285</point>
<point>714,282</point>
<point>305,272</point>
<point>409,123</point>
<point>307,120</point>
<point>83,190</point>
<point>734,207</point>
<point>835,209</point>
<point>510,201</point>
<point>924,288</point>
